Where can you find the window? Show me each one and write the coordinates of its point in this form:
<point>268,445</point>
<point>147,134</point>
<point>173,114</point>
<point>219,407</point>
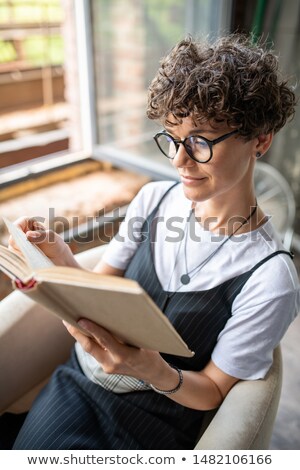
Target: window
<point>283,23</point>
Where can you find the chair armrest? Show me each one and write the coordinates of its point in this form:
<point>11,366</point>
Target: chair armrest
<point>246,417</point>
<point>32,343</point>
<point>89,258</point>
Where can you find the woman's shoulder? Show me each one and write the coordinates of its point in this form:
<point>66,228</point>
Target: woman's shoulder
<point>274,274</point>
<point>275,278</point>
<point>151,194</point>
<point>156,188</point>
<point>279,267</point>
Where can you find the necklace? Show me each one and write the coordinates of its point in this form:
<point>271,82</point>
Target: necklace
<point>186,278</point>
<point>188,275</point>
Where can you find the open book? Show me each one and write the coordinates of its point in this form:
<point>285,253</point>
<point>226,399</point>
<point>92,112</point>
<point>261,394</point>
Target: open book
<point>120,305</point>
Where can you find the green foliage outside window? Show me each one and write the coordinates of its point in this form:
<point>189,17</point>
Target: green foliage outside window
<point>24,16</point>
<point>30,11</point>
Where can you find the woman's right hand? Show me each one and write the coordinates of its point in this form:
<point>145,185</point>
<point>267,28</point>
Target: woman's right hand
<point>48,241</point>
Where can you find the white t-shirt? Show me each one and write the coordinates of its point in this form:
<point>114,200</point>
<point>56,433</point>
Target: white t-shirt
<point>261,312</point>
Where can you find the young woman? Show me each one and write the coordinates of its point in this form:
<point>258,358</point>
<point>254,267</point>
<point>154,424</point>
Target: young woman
<point>224,281</point>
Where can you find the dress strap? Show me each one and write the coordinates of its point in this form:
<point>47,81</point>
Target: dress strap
<point>151,215</point>
<point>264,260</point>
<point>233,287</point>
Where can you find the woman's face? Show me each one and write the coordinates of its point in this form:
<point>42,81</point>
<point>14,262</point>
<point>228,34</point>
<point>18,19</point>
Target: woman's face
<point>230,170</point>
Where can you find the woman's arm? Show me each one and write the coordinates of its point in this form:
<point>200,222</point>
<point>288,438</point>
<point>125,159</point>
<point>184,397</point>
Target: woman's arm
<point>54,247</point>
<point>200,390</point>
<point>104,268</point>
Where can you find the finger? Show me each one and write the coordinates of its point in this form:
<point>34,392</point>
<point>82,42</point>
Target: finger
<point>47,241</point>
<point>37,224</point>
<point>36,236</point>
<point>29,223</point>
<point>23,223</point>
<point>89,344</point>
<point>80,336</point>
<point>12,244</point>
<point>75,332</point>
<point>104,337</point>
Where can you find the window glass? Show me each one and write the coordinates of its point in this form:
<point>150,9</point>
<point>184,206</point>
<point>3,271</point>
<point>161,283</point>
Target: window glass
<point>282,22</point>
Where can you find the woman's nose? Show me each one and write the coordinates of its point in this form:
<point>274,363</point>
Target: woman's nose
<point>182,158</point>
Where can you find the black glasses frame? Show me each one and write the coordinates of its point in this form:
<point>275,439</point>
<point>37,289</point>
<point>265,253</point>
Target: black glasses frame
<point>177,142</point>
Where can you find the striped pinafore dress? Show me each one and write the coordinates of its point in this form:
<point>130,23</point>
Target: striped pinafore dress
<point>74,413</point>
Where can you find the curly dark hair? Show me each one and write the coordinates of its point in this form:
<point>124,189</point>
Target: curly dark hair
<point>231,80</point>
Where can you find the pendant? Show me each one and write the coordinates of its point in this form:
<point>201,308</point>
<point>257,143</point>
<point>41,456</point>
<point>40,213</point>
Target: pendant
<point>185,279</point>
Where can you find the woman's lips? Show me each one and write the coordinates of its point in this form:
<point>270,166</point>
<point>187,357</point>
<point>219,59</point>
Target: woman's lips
<point>191,179</point>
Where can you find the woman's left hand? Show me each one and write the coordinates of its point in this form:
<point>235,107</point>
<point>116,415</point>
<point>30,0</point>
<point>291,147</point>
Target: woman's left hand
<point>200,390</point>
<point>116,357</point>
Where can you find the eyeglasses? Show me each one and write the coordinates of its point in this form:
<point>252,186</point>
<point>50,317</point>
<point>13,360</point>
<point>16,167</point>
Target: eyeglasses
<point>197,147</point>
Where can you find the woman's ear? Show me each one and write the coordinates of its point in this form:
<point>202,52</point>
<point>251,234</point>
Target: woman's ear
<point>263,143</point>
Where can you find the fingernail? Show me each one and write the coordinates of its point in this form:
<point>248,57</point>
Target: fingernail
<point>67,325</point>
<point>37,226</point>
<point>33,234</point>
<point>83,324</point>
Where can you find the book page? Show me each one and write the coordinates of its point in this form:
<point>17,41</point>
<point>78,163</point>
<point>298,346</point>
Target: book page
<point>13,265</point>
<point>35,258</point>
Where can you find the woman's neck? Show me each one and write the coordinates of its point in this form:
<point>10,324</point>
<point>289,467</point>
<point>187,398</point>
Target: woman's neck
<point>226,216</point>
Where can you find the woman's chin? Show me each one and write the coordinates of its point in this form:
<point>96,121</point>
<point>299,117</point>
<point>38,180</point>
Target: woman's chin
<point>195,194</point>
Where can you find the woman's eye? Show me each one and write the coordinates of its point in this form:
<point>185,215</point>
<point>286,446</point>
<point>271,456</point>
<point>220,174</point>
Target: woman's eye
<point>197,141</point>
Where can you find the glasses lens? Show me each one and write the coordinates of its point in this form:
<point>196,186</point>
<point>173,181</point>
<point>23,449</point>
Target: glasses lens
<point>199,148</point>
<point>166,145</point>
